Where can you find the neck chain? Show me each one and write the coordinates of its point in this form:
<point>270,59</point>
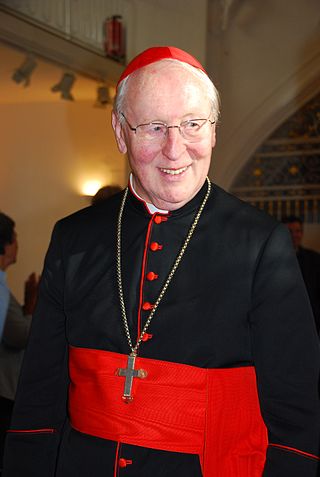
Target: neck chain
<point>134,349</point>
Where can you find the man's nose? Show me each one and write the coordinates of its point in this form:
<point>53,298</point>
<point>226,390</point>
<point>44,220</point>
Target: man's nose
<point>174,143</point>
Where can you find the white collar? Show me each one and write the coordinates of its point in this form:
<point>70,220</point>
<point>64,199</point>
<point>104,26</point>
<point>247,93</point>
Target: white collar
<point>152,209</point>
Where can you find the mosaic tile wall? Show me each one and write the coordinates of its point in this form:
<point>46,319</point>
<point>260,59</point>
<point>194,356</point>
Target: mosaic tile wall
<point>283,175</point>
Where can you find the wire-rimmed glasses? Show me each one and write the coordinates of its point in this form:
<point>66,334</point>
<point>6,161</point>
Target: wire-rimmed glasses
<point>192,129</point>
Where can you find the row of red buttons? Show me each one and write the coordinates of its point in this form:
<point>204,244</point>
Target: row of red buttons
<point>151,276</point>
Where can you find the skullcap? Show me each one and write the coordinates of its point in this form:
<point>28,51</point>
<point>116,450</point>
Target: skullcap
<point>157,53</point>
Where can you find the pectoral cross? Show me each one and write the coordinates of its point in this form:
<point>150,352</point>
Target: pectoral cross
<point>129,373</point>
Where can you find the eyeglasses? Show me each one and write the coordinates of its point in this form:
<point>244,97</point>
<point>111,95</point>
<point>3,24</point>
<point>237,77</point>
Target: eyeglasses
<point>192,129</point>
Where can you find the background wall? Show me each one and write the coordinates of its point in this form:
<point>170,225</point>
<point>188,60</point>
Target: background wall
<point>181,23</point>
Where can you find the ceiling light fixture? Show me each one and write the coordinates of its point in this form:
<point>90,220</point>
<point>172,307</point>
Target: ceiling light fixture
<point>24,72</point>
<point>65,85</point>
<point>103,97</point>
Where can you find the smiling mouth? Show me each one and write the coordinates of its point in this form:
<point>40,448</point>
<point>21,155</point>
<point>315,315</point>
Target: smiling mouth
<point>174,172</point>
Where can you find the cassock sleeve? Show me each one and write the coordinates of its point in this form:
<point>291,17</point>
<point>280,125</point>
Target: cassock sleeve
<point>287,360</point>
<point>40,406</point>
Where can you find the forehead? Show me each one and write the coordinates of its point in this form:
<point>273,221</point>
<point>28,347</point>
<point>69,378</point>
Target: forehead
<point>165,87</point>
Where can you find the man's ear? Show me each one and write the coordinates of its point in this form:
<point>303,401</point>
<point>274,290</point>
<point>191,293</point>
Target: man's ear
<point>118,132</point>
<point>213,136</point>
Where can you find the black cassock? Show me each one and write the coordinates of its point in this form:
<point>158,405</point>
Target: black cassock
<point>236,300</point>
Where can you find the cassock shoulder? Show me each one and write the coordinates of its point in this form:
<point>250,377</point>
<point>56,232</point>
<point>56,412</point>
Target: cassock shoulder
<point>88,224</point>
<point>93,214</point>
<point>241,219</point>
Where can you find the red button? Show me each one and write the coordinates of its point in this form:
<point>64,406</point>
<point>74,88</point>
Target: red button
<point>154,246</point>
<point>147,306</point>
<point>146,337</point>
<point>124,462</point>
<point>152,276</point>
<point>160,218</point>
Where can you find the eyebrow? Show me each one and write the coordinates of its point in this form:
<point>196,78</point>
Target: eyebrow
<point>186,117</point>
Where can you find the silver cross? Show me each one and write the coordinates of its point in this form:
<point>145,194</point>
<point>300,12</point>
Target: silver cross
<point>129,373</point>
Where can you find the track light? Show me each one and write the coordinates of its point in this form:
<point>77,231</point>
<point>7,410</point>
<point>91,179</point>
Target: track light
<point>24,72</point>
<point>103,97</point>
<point>65,86</point>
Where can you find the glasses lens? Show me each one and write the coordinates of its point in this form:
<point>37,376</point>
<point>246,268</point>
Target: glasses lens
<point>152,131</point>
<point>193,128</point>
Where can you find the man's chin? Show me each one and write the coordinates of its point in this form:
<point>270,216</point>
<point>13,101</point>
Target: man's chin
<point>172,202</point>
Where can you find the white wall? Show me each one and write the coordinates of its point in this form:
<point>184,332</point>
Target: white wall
<point>181,23</point>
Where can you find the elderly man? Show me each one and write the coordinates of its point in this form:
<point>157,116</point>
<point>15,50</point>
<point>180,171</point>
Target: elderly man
<point>173,335</point>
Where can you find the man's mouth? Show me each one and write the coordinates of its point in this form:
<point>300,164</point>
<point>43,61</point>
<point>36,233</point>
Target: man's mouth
<point>174,172</point>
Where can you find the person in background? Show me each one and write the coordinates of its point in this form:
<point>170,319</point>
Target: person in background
<point>309,261</point>
<point>104,193</point>
<point>16,325</point>
<point>173,335</point>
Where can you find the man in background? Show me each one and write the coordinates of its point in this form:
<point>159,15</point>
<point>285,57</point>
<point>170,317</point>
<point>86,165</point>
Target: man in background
<point>309,262</point>
<point>104,193</point>
<point>16,325</point>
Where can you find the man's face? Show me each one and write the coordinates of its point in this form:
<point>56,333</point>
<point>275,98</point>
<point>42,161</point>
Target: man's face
<point>296,231</point>
<point>11,251</point>
<point>167,174</point>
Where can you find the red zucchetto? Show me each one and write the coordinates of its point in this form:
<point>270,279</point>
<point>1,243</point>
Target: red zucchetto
<point>156,53</point>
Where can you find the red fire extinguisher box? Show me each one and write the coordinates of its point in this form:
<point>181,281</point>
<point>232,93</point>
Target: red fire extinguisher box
<point>114,44</point>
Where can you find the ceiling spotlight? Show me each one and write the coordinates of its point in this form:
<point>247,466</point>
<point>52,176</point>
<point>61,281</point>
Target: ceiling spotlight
<point>103,97</point>
<point>65,86</point>
<point>23,73</point>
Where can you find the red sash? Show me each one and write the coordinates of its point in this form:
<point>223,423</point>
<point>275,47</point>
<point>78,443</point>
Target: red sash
<point>179,408</point>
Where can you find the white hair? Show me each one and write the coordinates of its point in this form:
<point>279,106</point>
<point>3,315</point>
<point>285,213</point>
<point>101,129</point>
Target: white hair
<point>212,92</point>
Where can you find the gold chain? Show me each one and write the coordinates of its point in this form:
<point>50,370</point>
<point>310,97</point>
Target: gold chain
<point>169,278</point>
